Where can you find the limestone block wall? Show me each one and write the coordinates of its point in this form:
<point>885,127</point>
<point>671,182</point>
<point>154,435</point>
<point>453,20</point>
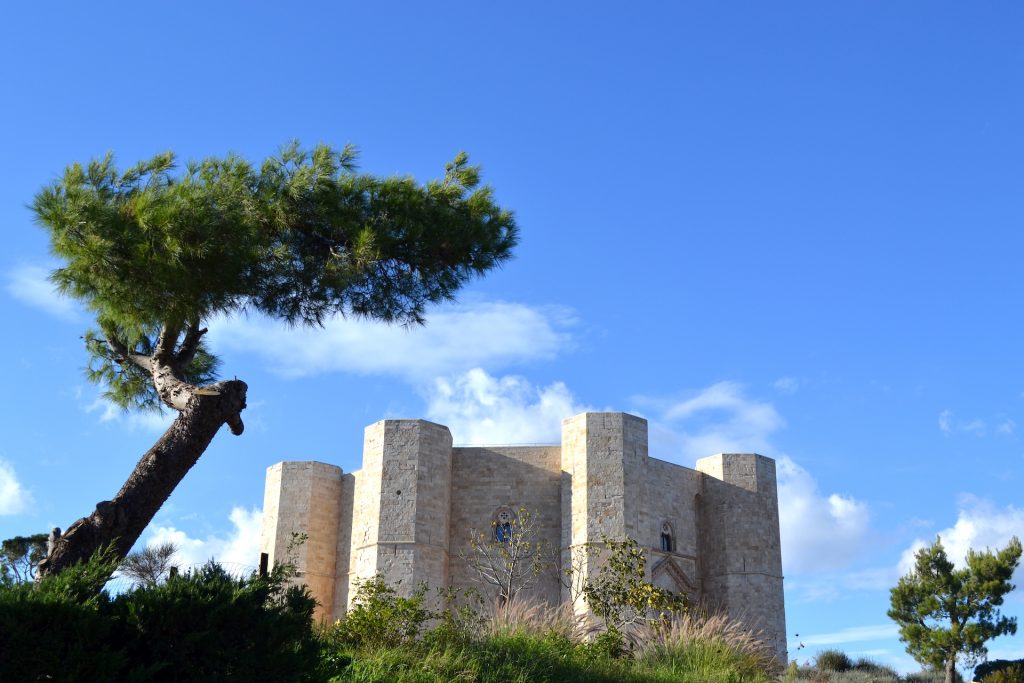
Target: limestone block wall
<point>484,479</point>
<point>402,502</point>
<point>343,549</point>
<point>669,495</point>
<point>304,498</point>
<point>605,458</point>
<point>739,545</point>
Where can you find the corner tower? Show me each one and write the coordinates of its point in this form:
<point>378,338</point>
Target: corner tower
<point>739,544</point>
<point>303,498</point>
<point>604,456</point>
<point>402,504</point>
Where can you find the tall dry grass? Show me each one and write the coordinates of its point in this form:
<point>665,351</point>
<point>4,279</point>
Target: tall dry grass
<point>703,644</point>
<point>523,615</point>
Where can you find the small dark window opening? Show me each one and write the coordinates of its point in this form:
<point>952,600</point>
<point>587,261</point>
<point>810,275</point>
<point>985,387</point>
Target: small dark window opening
<point>503,532</point>
<point>666,543</point>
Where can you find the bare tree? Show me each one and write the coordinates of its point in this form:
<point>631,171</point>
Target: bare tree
<point>570,571</point>
<point>510,556</point>
<point>150,565</point>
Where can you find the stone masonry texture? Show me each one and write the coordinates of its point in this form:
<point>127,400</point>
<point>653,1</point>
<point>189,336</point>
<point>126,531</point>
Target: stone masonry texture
<point>408,514</point>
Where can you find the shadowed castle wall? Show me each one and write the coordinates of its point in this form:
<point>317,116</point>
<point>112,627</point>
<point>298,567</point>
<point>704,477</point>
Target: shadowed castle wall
<point>739,545</point>
<point>485,479</point>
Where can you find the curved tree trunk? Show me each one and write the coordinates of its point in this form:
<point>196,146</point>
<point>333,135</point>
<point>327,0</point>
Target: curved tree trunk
<point>120,522</point>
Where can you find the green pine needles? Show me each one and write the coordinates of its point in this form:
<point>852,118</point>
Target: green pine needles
<point>301,237</point>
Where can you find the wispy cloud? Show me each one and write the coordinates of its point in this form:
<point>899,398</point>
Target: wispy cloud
<point>148,421</point>
<point>854,634</point>
<point>236,550</point>
<point>787,385</point>
<point>718,419</point>
<point>454,341</point>
<point>980,524</point>
<point>481,409</point>
<point>949,424</point>
<point>30,285</point>
<point>15,499</point>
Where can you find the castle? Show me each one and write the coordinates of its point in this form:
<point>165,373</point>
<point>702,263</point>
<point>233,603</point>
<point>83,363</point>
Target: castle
<point>712,532</point>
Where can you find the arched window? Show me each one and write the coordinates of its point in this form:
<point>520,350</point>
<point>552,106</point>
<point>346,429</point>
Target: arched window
<point>502,523</point>
<point>667,541</point>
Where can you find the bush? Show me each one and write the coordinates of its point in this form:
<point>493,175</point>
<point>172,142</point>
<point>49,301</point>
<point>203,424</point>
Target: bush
<point>833,660</point>
<point>200,626</point>
<point>207,625</point>
<point>380,617</point>
<point>985,669</point>
<point>1013,673</point>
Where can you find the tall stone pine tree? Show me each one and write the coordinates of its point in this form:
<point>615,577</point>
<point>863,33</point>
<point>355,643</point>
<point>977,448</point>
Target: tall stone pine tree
<point>155,253</point>
<point>945,613</point>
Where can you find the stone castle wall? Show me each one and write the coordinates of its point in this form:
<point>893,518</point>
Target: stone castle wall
<point>409,512</point>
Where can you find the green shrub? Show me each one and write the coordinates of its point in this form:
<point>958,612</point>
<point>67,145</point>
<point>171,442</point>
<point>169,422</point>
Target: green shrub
<point>201,626</point>
<point>380,617</point>
<point>983,670</point>
<point>208,625</point>
<point>1013,673</point>
<point>833,660</point>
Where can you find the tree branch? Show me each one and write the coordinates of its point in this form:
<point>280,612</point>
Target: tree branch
<point>165,343</point>
<point>189,345</point>
<point>120,350</point>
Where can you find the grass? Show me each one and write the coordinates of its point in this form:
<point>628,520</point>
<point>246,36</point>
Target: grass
<point>526,643</point>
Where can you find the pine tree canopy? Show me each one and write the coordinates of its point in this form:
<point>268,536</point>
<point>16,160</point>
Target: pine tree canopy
<point>155,252</point>
<point>945,613</point>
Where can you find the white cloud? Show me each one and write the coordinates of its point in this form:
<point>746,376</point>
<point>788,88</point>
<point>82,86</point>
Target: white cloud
<point>853,634</point>
<point>481,409</point>
<point>979,525</point>
<point>787,385</point>
<point>819,531</point>
<point>1006,427</point>
<point>721,419</point>
<point>31,285</point>
<point>149,421</point>
<point>14,498</point>
<point>237,551</point>
<point>977,426</point>
<point>454,340</point>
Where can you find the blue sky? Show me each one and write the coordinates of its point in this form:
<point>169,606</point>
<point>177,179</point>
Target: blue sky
<point>785,227</point>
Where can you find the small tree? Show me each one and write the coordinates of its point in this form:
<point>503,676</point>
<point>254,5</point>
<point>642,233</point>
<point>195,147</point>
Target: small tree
<point>510,556</point>
<point>150,565</point>
<point>946,614</point>
<point>620,594</point>
<point>156,254</point>
<point>19,557</point>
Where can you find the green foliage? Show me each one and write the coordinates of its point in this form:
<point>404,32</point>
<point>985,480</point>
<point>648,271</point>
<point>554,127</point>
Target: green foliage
<point>459,616</point>
<point>301,237</point>
<point>985,669</point>
<point>1014,673</point>
<point>381,617</point>
<point>833,660</point>
<point>946,614</point>
<point>620,595</point>
<point>19,557</point>
<point>200,626</point>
